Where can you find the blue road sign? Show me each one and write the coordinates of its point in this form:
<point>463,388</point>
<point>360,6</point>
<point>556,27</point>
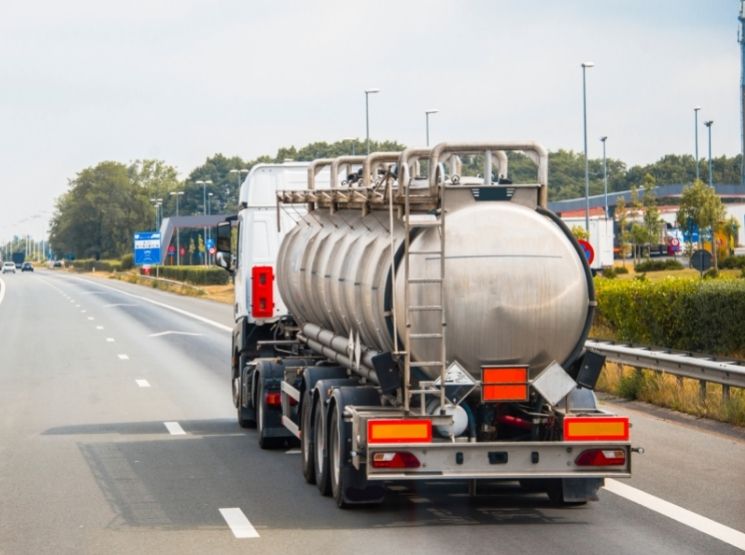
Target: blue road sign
<point>210,243</point>
<point>147,247</point>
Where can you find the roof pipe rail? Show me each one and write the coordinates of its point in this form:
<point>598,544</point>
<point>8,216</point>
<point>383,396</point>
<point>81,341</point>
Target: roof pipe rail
<point>342,161</point>
<point>536,152</point>
<point>373,162</point>
<point>314,169</point>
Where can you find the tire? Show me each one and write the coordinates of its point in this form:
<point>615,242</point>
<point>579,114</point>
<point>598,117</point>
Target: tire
<point>246,416</point>
<point>261,408</point>
<point>306,439</point>
<point>337,458</point>
<point>321,459</point>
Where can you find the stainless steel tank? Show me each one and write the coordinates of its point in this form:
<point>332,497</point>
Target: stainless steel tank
<point>516,288</point>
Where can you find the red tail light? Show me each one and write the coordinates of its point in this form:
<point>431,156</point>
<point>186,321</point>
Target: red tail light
<point>601,457</point>
<point>262,291</point>
<point>273,398</point>
<point>395,459</point>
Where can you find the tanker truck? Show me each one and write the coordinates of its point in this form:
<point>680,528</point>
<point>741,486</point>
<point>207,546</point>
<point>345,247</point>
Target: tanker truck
<point>402,321</point>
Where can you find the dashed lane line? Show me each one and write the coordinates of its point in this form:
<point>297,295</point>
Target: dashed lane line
<point>122,356</point>
<point>675,512</point>
<point>91,318</point>
<point>238,523</point>
<point>174,428</point>
<point>99,327</point>
<point>109,340</point>
<point>142,383</point>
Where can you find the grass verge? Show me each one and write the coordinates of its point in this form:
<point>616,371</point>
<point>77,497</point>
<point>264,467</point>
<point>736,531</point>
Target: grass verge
<point>680,394</point>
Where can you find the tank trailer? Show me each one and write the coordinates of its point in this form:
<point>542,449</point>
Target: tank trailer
<point>403,321</point>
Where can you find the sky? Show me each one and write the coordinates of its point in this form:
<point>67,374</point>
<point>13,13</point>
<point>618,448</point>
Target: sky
<point>83,81</point>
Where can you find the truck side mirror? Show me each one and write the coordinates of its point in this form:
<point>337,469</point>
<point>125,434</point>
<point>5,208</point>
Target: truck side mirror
<point>224,247</point>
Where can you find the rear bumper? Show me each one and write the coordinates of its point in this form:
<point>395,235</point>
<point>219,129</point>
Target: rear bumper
<point>497,460</point>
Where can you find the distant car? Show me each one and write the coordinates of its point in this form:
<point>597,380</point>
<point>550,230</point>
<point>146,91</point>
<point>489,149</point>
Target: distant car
<point>18,265</point>
<point>57,264</point>
<point>27,267</point>
<point>9,267</point>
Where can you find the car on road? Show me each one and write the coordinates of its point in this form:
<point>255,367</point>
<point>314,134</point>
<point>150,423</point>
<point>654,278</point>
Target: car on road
<point>9,267</point>
<point>27,267</point>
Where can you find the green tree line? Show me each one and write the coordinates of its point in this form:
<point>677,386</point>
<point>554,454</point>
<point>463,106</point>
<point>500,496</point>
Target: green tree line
<point>105,204</point>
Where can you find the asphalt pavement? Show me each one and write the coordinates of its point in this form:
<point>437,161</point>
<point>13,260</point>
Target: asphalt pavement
<point>117,435</point>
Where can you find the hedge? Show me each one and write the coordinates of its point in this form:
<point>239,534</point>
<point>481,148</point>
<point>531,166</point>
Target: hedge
<point>197,275</point>
<point>690,315</point>
<point>90,264</point>
<point>658,265</point>
<point>733,262</point>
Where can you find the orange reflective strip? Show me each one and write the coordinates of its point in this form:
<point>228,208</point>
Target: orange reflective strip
<point>399,431</point>
<point>596,428</point>
<point>504,375</point>
<point>511,392</point>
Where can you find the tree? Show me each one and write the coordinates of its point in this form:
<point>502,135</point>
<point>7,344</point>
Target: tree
<point>699,204</point>
<point>651,214</point>
<point>580,232</point>
<point>99,214</point>
<point>730,228</point>
<point>623,232</point>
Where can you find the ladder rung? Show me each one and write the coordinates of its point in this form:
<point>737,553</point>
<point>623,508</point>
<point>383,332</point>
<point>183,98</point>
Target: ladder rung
<point>425,336</point>
<point>438,253</point>
<point>425,308</point>
<point>425,280</point>
<point>423,220</point>
<point>428,363</point>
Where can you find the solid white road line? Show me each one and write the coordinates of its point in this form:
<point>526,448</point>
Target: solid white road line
<point>162,305</point>
<point>238,523</point>
<point>684,516</point>
<point>2,290</point>
<point>162,333</point>
<point>123,357</point>
<point>109,340</point>
<point>174,428</point>
<point>142,383</point>
<point>118,304</point>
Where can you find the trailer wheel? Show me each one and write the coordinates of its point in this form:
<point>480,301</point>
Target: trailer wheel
<point>349,486</point>
<point>264,441</point>
<point>246,416</point>
<point>306,438</point>
<point>321,459</point>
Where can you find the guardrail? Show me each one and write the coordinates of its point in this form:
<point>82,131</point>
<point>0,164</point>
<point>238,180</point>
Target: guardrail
<point>704,368</point>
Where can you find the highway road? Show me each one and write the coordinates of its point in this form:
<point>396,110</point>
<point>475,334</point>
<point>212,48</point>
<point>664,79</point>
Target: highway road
<point>117,435</point>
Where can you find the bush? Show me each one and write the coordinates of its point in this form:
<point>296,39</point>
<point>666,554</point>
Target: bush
<point>127,262</point>
<point>712,273</point>
<point>658,265</point>
<point>621,270</point>
<point>197,275</point>
<point>684,314</point>
<point>610,272</point>
<point>732,263</point>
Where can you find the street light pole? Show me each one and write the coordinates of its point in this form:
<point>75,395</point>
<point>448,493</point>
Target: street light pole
<point>605,176</point>
<point>368,92</point>
<point>708,124</point>
<point>238,174</point>
<point>209,229</point>
<point>695,134</point>
<point>426,116</point>
<point>585,65</point>
<point>204,184</point>
<point>177,194</point>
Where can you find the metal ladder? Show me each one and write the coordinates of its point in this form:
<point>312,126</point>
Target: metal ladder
<point>410,223</point>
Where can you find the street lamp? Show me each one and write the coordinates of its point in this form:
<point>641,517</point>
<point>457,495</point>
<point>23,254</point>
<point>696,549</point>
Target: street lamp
<point>426,117</point>
<point>708,124</point>
<point>209,229</point>
<point>156,203</point>
<point>605,176</point>
<point>695,133</point>
<point>368,92</point>
<point>177,194</point>
<point>204,184</point>
<point>585,65</point>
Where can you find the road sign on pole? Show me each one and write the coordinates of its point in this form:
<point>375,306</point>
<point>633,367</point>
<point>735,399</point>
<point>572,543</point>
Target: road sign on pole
<point>588,250</point>
<point>147,247</point>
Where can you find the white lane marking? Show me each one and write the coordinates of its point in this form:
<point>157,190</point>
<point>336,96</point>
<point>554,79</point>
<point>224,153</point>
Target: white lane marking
<point>162,305</point>
<point>99,327</point>
<point>162,333</point>
<point>122,356</point>
<point>675,512</point>
<point>77,306</point>
<point>174,428</point>
<point>118,304</point>
<point>293,452</point>
<point>419,500</point>
<point>238,523</point>
<point>91,318</point>
<point>142,383</point>
<point>396,487</point>
<point>2,290</point>
<point>83,311</point>
<point>109,340</point>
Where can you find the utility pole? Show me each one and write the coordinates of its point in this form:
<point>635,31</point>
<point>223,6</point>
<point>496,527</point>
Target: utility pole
<point>741,40</point>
